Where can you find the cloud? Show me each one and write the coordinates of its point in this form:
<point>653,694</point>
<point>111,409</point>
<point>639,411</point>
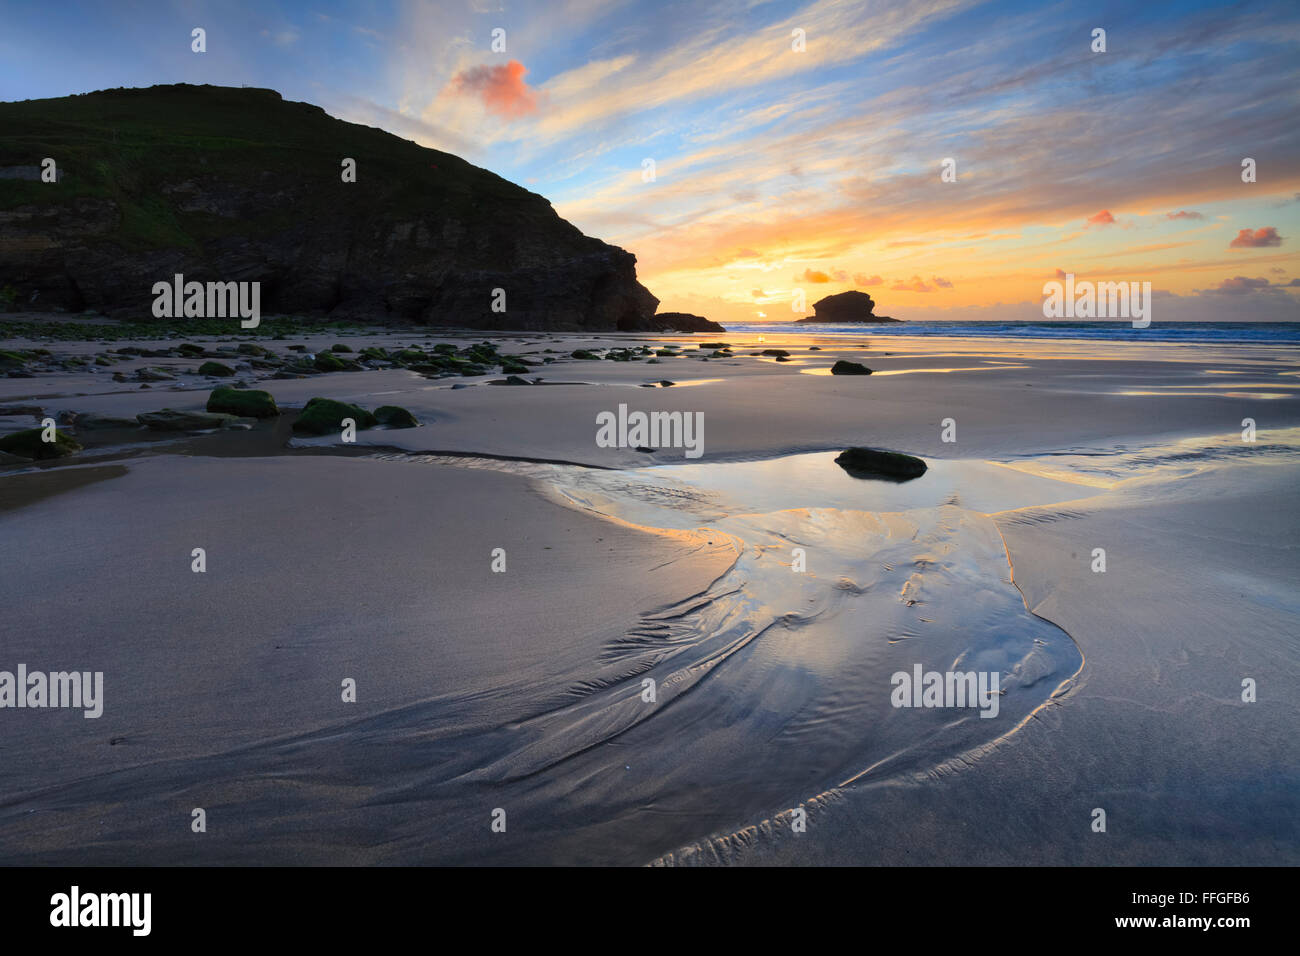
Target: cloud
<point>810,276</point>
<point>502,88</point>
<point>1103,218</point>
<point>282,38</point>
<point>839,275</point>
<point>863,279</point>
<point>1060,273</point>
<point>1242,285</point>
<point>941,283</point>
<point>1184,214</point>
<point>757,293</point>
<point>1267,236</point>
<point>915,284</point>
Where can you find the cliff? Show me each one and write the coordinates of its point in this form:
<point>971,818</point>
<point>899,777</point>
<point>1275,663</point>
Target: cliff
<point>224,184</point>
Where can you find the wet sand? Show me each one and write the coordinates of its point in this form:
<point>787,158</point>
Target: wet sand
<point>525,690</point>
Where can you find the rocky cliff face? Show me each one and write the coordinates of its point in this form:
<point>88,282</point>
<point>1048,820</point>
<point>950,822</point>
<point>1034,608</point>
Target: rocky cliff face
<point>851,306</point>
<point>224,185</point>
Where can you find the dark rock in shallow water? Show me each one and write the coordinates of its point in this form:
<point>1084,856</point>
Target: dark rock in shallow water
<point>873,463</point>
<point>170,420</point>
<point>28,444</point>
<point>321,416</point>
<point>91,422</point>
<point>684,322</point>
<point>394,416</point>
<point>849,368</point>
<point>779,353</point>
<point>245,402</point>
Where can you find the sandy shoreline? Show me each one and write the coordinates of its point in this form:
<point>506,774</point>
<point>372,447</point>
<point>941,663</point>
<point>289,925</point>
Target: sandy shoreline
<point>523,690</point>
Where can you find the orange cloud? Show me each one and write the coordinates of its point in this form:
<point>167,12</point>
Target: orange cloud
<point>1246,239</point>
<point>1183,214</point>
<point>810,276</point>
<point>502,88</point>
<point>915,284</point>
<point>1103,218</point>
<point>863,279</point>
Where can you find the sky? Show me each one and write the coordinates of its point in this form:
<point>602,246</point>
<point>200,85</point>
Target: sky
<point>756,156</point>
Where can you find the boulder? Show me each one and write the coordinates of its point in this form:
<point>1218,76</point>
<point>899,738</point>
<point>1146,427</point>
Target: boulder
<point>394,416</point>
<point>874,463</point>
<point>28,444</point>
<point>171,420</point>
<point>245,402</point>
<point>321,416</point>
<point>849,368</point>
<point>215,370</point>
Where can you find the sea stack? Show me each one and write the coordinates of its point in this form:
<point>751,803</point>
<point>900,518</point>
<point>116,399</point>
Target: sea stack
<point>851,306</point>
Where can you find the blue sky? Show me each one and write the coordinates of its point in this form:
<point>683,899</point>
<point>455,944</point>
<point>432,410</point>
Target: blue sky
<point>778,169</point>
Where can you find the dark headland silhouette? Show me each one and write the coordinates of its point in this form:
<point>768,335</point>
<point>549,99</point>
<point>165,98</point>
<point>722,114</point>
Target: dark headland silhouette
<point>227,185</point>
<point>851,306</point>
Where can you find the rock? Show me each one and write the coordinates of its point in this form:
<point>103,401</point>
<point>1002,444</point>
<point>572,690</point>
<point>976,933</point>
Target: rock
<point>814,348</point>
<point>154,375</point>
<point>28,444</point>
<point>33,410</point>
<point>779,353</point>
<point>873,463</point>
<point>248,348</point>
<point>424,240</point>
<point>216,370</point>
<point>666,384</point>
<point>89,422</point>
<point>783,358</point>
<point>849,368</point>
<point>340,347</point>
<point>328,362</point>
<point>714,345</point>
<point>684,322</point>
<point>851,306</point>
<point>513,380</point>
<point>321,416</point>
<point>515,368</point>
<point>394,416</point>
<point>170,420</point>
<point>584,354</point>
<point>244,402</point>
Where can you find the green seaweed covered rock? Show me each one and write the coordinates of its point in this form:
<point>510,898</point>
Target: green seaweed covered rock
<point>216,369</point>
<point>322,416</point>
<point>28,444</point>
<point>245,402</point>
<point>394,416</point>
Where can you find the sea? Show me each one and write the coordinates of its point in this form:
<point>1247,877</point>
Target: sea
<point>1282,333</point>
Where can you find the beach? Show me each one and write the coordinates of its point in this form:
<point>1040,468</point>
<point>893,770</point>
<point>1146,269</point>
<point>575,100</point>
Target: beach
<point>563,652</point>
